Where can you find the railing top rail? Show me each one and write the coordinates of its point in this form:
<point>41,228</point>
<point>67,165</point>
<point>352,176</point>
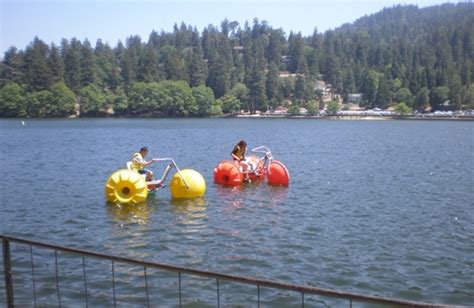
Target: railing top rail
<point>235,278</point>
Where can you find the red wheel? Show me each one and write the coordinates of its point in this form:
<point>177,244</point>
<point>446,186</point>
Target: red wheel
<point>278,174</point>
<point>228,173</point>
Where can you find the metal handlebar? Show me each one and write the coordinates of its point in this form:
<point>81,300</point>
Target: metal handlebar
<point>173,164</point>
<point>263,149</point>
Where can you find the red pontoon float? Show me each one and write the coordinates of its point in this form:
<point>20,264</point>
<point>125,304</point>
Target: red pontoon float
<point>229,172</point>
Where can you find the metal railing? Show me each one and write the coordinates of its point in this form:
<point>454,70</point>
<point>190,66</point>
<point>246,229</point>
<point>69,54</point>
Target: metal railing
<point>259,283</point>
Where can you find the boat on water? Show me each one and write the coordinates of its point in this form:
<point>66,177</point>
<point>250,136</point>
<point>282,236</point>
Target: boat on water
<point>231,173</point>
<point>127,186</point>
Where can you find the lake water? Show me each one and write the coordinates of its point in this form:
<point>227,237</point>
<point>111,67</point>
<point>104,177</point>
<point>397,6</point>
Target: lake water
<point>374,207</point>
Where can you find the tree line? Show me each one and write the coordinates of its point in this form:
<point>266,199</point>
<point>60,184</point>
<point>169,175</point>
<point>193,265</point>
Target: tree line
<point>421,57</point>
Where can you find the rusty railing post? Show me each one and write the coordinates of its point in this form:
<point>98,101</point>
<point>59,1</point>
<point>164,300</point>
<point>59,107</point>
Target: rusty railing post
<point>7,268</point>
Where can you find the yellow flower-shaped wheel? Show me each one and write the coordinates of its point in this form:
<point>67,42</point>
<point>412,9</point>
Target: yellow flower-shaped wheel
<point>126,186</point>
<point>194,180</point>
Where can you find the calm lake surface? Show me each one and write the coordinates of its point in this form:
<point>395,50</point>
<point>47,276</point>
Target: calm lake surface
<point>374,207</point>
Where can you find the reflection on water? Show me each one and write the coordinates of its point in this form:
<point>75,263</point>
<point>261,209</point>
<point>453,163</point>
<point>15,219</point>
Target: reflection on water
<point>252,194</point>
<point>186,205</point>
<point>190,212</point>
<point>131,228</point>
<point>277,195</point>
<point>130,213</point>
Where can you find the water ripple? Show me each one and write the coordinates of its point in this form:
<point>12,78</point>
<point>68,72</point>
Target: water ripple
<point>380,208</point>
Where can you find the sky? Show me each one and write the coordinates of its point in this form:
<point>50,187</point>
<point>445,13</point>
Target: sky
<point>114,20</point>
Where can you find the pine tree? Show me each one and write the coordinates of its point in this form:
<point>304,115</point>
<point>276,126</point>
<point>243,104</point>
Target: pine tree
<point>56,65</point>
<point>130,59</point>
<point>72,63</point>
<point>275,47</point>
<point>383,97</point>
<point>219,76</point>
<point>300,85</point>
<point>37,72</point>
<point>220,66</point>
<point>225,28</point>
<point>313,62</point>
<point>456,91</point>
<point>12,67</point>
<point>333,73</point>
<point>196,67</point>
<point>256,82</point>
<point>107,72</point>
<point>349,81</point>
<point>298,62</point>
<point>173,65</point>
<point>154,40</point>
<point>88,66</point>
<point>148,65</point>
<point>273,86</point>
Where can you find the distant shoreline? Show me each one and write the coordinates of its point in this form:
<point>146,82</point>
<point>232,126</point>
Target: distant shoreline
<point>355,117</point>
<point>279,116</point>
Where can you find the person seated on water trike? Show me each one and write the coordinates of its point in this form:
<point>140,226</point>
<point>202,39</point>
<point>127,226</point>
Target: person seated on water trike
<point>238,154</point>
<point>139,163</point>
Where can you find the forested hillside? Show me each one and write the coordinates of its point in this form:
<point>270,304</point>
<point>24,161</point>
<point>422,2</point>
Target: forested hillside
<point>422,57</point>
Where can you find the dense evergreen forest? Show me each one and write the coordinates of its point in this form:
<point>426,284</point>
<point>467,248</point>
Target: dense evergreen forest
<point>422,57</point>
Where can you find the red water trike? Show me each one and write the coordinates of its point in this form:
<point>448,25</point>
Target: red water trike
<point>232,173</point>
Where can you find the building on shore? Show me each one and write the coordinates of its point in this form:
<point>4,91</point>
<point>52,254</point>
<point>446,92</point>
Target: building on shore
<point>355,98</point>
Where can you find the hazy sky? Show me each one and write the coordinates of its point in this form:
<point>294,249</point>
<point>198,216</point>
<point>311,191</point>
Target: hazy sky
<point>114,20</point>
